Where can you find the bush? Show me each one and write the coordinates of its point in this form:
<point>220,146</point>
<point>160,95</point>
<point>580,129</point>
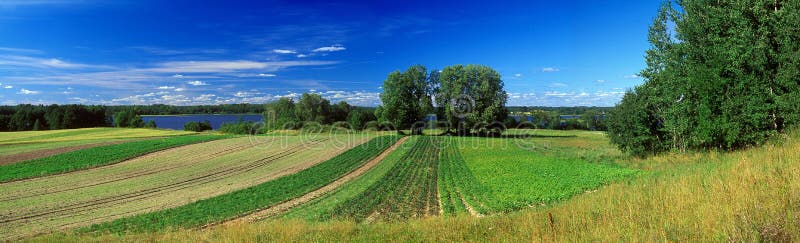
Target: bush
<point>197,126</point>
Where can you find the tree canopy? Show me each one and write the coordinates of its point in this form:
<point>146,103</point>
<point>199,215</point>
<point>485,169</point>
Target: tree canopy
<point>726,76</point>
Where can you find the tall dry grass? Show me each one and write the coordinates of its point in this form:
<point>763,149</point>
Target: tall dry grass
<point>751,195</point>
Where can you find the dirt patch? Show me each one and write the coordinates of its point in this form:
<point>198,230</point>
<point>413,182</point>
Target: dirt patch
<point>285,206</point>
<point>14,158</point>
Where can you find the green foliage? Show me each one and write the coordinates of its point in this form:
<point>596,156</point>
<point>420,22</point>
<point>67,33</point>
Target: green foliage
<point>240,127</point>
<point>128,118</point>
<point>406,98</point>
<point>472,96</point>
<point>358,118</point>
<point>725,79</point>
<point>281,115</point>
<point>150,124</point>
<point>313,108</point>
<point>197,126</point>
<point>248,200</point>
<point>93,157</point>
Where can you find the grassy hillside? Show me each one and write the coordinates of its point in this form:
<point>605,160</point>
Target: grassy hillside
<point>740,196</point>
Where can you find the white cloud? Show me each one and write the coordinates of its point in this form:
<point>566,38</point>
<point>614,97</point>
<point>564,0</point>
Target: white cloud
<point>20,50</point>
<point>166,87</point>
<point>204,97</point>
<point>230,66</point>
<point>632,76</point>
<point>8,87</point>
<point>557,85</point>
<point>283,51</point>
<point>550,70</point>
<point>518,75</point>
<point>330,48</point>
<point>177,76</point>
<point>600,81</point>
<point>197,83</point>
<point>35,62</point>
<point>302,55</point>
<point>28,92</point>
<point>180,89</point>
<point>266,75</point>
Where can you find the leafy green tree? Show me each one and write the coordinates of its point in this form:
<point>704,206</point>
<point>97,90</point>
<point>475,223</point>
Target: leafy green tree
<point>358,118</point>
<point>281,114</point>
<point>197,126</point>
<point>340,111</point>
<point>37,126</point>
<point>150,124</point>
<point>313,108</point>
<point>472,96</point>
<point>406,98</point>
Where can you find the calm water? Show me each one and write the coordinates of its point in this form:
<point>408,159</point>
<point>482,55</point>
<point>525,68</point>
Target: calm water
<point>176,122</point>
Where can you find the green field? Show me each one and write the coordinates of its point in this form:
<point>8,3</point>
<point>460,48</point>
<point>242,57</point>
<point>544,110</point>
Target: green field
<point>530,184</point>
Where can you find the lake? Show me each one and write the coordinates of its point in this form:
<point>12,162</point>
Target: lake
<point>176,122</point>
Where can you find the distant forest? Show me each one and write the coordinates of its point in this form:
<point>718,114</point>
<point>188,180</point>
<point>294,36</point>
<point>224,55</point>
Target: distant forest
<point>26,117</point>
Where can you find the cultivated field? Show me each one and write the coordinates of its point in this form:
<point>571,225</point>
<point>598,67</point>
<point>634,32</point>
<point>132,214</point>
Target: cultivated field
<point>530,184</point>
<point>158,180</point>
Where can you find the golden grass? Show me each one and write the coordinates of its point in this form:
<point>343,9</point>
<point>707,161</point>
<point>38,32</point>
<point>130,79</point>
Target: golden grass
<point>751,195</point>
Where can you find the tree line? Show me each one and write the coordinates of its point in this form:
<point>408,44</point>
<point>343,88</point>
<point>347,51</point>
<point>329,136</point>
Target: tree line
<point>720,75</point>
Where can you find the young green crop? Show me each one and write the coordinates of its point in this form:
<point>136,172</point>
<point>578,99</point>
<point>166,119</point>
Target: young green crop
<point>518,177</point>
<point>408,190</point>
<point>248,200</point>
<point>458,187</point>
<point>93,157</point>
<point>324,206</point>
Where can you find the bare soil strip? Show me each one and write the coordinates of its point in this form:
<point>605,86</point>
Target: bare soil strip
<point>285,206</point>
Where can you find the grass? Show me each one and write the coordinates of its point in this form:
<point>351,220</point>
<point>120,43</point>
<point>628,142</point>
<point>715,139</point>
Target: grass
<point>248,200</point>
<point>93,157</point>
<point>746,195</point>
<point>324,207</point>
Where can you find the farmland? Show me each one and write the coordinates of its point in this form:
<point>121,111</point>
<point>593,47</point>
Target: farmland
<point>160,180</point>
<point>532,184</point>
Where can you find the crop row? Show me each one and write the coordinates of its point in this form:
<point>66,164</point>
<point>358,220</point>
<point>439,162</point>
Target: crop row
<point>458,187</point>
<point>93,157</point>
<point>242,202</point>
<point>408,190</point>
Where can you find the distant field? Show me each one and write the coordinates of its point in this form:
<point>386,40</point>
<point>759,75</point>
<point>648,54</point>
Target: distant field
<point>159,180</point>
<point>72,135</point>
<point>94,156</point>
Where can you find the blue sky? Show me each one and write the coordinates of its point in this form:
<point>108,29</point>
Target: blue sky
<point>549,53</point>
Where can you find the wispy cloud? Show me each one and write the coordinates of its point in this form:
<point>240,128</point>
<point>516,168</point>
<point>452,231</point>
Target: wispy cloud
<point>35,62</point>
<point>600,81</point>
<point>230,66</point>
<point>632,76</point>
<point>550,70</point>
<point>8,87</point>
<point>28,92</point>
<point>266,75</point>
<point>284,51</point>
<point>20,50</point>
<point>197,83</point>
<point>332,48</point>
<point>166,87</point>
